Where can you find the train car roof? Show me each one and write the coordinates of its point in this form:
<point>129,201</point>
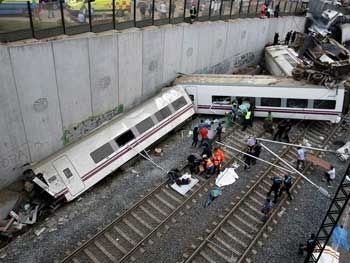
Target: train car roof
<point>244,80</point>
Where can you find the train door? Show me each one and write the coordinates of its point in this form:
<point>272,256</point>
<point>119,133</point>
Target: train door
<point>69,175</point>
<point>192,93</point>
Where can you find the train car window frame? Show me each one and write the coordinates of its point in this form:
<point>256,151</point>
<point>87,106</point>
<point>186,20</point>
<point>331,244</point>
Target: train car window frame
<point>144,125</point>
<point>102,152</point>
<point>163,113</point>
<point>274,104</point>
<point>315,106</point>
<point>125,138</point>
<point>179,103</point>
<point>67,173</point>
<point>297,103</point>
<point>221,100</point>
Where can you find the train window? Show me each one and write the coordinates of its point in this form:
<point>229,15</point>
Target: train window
<point>222,100</point>
<point>179,103</point>
<point>145,125</point>
<point>163,113</point>
<point>324,104</point>
<point>124,138</point>
<point>101,153</point>
<point>67,173</point>
<point>271,102</point>
<point>297,103</point>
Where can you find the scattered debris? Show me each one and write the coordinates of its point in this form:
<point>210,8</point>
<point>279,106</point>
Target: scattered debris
<point>227,177</point>
<point>38,232</point>
<point>158,152</point>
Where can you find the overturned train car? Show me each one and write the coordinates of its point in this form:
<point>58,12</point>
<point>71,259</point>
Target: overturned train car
<point>79,166</point>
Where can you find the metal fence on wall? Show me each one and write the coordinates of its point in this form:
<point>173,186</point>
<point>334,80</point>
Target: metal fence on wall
<point>32,19</point>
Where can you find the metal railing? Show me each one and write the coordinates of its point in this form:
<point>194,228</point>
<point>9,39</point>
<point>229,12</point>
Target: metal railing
<point>20,21</point>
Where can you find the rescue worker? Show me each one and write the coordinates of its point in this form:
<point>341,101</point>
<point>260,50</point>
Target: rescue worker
<point>208,166</point>
<point>308,247</point>
<point>280,130</point>
<point>247,120</point>
<point>218,157</point>
<point>268,123</point>
<point>330,175</point>
<point>247,159</point>
<point>287,184</point>
<point>288,127</point>
<point>207,150</point>
<point>204,134</point>
<point>219,132</point>
<point>194,161</point>
<point>288,36</point>
<point>275,187</point>
<point>234,109</point>
<point>256,150</point>
<point>300,158</point>
<point>195,136</point>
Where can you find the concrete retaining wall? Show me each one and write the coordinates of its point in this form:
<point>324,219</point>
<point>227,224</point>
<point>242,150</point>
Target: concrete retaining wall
<point>53,92</point>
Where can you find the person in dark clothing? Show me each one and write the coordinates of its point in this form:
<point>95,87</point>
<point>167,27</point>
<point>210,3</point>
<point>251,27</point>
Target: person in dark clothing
<point>247,159</point>
<point>173,174</point>
<point>207,150</point>
<point>195,136</point>
<point>309,247</point>
<point>280,130</point>
<point>275,187</point>
<point>288,35</point>
<point>252,109</point>
<point>294,34</point>
<point>256,152</point>
<point>219,132</point>
<point>287,129</point>
<point>194,161</point>
<point>277,10</point>
<point>275,38</point>
<point>266,209</point>
<point>287,184</point>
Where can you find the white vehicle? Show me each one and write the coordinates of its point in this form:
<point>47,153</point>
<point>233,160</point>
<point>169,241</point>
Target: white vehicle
<point>284,97</point>
<point>79,166</point>
<point>343,153</point>
<point>327,19</point>
<point>280,60</point>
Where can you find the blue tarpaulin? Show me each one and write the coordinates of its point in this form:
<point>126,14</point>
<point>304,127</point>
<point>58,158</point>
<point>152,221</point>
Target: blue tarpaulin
<point>340,238</point>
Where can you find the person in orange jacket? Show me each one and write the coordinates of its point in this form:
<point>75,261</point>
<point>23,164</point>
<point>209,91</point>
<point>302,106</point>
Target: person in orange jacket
<point>218,157</point>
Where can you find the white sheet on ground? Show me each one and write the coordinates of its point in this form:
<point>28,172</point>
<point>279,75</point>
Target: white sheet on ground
<point>227,177</point>
<point>183,189</point>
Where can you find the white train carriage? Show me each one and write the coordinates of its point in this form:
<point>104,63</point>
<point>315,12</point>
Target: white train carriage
<point>79,166</point>
<point>280,60</point>
<point>284,97</point>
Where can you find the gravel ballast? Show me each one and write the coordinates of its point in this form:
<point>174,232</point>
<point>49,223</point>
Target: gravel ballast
<point>76,221</point>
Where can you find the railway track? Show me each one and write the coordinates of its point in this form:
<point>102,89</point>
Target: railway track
<point>235,236</point>
<point>131,230</point>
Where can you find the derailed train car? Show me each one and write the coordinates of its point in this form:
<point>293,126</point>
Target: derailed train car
<point>284,97</point>
<point>79,166</point>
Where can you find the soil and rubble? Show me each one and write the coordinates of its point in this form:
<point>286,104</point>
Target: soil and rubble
<point>75,222</point>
